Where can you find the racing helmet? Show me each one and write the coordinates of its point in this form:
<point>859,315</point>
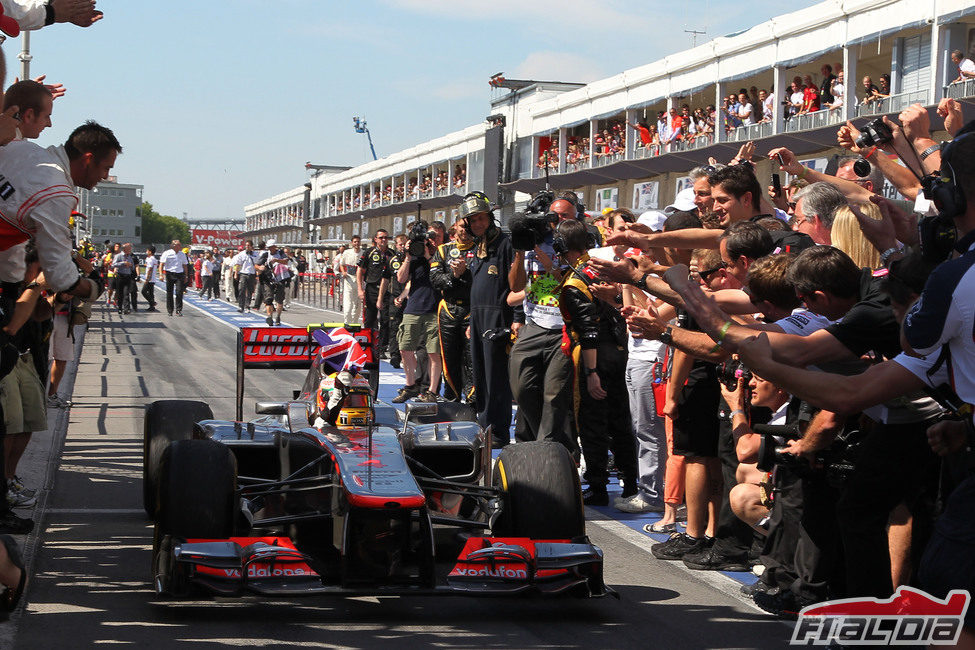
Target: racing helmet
<point>353,397</point>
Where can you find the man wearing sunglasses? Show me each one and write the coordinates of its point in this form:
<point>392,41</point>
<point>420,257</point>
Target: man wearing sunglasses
<point>373,267</point>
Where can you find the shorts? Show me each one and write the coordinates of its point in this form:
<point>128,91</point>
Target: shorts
<point>417,330</point>
<point>62,345</point>
<point>111,283</point>
<point>273,293</point>
<point>22,397</point>
<point>696,426</point>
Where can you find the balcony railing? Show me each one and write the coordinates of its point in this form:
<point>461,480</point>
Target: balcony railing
<point>816,120</point>
<point>577,166</point>
<point>646,152</point>
<point>750,132</point>
<point>894,103</point>
<point>961,89</point>
<point>602,161</point>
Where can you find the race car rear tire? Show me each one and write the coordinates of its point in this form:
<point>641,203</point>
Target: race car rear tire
<point>543,493</point>
<point>197,481</point>
<point>165,421</point>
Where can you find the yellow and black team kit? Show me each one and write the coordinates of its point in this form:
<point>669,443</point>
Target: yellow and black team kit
<point>375,265</point>
<point>591,324</point>
<point>395,316</point>
<point>453,317</point>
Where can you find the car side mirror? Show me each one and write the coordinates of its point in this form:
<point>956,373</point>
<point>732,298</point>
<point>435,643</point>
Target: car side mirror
<point>299,415</point>
<point>421,409</point>
<point>271,408</point>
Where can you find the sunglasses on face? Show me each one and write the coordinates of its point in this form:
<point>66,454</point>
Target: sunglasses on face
<point>706,275</point>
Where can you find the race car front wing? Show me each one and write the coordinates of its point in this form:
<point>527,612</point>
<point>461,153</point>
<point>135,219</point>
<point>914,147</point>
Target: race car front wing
<point>485,566</point>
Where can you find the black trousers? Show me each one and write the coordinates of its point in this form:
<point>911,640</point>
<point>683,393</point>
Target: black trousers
<point>245,289</point>
<point>779,550</point>
<point>376,319</point>
<point>175,286</point>
<point>489,364</point>
<point>732,537</point>
<point>259,298</point>
<point>541,382</point>
<point>454,349</point>
<point>149,293</point>
<point>605,424</point>
<point>894,465</point>
<point>393,322</point>
<point>125,291</point>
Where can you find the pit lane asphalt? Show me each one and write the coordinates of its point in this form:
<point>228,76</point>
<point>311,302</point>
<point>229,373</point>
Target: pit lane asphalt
<point>89,555</point>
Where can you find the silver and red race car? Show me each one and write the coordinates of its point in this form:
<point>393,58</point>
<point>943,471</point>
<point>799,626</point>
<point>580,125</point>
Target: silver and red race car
<point>406,504</point>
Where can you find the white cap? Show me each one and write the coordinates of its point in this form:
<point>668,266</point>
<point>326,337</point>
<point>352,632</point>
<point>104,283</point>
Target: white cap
<point>271,242</point>
<point>683,202</point>
<point>653,219</point>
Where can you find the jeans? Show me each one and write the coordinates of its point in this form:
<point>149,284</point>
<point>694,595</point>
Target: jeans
<point>648,427</point>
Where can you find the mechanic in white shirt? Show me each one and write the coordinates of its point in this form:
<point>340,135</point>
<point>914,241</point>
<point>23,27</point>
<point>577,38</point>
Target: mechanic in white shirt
<point>174,266</point>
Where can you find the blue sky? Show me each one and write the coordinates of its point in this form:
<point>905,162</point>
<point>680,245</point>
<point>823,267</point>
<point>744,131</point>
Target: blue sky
<point>219,104</point>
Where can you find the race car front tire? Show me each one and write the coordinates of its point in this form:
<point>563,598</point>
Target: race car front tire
<point>165,421</point>
<point>197,482</point>
<point>543,496</point>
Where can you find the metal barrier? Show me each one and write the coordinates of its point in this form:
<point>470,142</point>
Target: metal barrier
<point>814,120</point>
<point>893,103</point>
<point>960,89</point>
<point>320,290</point>
<point>750,132</point>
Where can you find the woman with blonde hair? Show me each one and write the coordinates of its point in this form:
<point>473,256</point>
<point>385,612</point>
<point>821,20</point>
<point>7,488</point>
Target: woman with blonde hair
<point>847,236</point>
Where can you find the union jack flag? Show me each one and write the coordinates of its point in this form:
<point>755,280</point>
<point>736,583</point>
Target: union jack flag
<point>340,350</point>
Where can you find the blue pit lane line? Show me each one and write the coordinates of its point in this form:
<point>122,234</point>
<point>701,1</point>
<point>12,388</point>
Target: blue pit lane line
<point>390,379</point>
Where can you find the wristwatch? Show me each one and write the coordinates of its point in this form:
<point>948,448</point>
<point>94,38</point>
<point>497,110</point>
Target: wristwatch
<point>667,336</point>
<point>642,282</point>
<point>930,150</point>
<point>589,371</point>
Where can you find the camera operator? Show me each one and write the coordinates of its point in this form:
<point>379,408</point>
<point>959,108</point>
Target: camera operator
<point>419,326</point>
<point>272,267</point>
<point>373,266</point>
<point>492,269</point>
<point>540,373</point>
<point>598,334</point>
<point>451,276</point>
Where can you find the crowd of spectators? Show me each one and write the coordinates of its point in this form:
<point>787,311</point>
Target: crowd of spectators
<point>806,307</point>
<point>442,181</point>
<point>47,285</point>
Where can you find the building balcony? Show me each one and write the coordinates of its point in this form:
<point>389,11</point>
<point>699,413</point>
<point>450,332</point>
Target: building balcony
<point>961,89</point>
<point>894,103</point>
<point>816,120</point>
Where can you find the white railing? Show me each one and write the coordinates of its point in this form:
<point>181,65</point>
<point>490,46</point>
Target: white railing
<point>894,103</point>
<point>961,89</point>
<point>750,132</point>
<point>818,119</point>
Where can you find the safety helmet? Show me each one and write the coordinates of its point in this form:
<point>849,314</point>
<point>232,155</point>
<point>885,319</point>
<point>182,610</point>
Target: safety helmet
<point>357,411</point>
<point>475,203</point>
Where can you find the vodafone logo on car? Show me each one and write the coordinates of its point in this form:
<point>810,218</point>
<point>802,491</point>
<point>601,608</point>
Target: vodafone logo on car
<point>497,571</point>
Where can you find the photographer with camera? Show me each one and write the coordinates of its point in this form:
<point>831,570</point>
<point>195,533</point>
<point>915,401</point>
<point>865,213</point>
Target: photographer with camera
<point>419,326</point>
<point>540,373</point>
<point>492,270</point>
<point>272,269</point>
<point>451,276</point>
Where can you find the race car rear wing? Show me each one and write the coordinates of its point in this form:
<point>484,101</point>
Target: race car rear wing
<point>286,348</point>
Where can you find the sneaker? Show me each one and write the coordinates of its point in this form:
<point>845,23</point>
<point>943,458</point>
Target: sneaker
<point>19,500</point>
<point>17,485</point>
<point>658,528</point>
<point>428,396</point>
<point>675,548</point>
<point>783,604</point>
<point>277,321</point>
<point>12,524</point>
<point>708,559</point>
<point>395,363</point>
<point>754,588</point>
<point>595,496</point>
<point>239,309</point>
<point>56,402</point>
<point>179,312</point>
<point>405,393</point>
<point>636,504</point>
<point>269,320</point>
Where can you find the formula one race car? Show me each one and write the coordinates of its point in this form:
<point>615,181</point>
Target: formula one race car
<point>333,493</point>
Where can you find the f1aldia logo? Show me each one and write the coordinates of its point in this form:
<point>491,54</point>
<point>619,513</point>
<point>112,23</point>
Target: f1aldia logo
<point>909,617</point>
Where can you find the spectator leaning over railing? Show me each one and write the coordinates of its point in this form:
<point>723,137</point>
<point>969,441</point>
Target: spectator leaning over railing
<point>966,67</point>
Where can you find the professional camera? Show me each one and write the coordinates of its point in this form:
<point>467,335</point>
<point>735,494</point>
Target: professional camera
<point>837,461</point>
<point>730,371</point>
<point>530,228</point>
<point>419,234</point>
<point>874,134</point>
